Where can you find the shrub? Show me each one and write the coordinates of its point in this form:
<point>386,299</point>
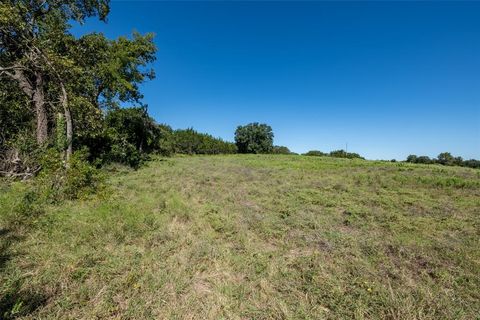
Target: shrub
<point>424,160</point>
<point>315,153</point>
<point>135,126</point>
<point>81,177</point>
<point>58,181</point>
<point>20,157</point>
<point>344,154</point>
<point>165,141</point>
<point>281,150</point>
<point>122,151</point>
<point>128,136</point>
<point>189,141</point>
<point>444,158</point>
<point>472,163</point>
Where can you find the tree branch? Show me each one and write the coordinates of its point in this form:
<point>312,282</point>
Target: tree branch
<point>20,77</point>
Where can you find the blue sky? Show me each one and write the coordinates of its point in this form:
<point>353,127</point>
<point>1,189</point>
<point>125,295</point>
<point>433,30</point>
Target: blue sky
<point>389,78</point>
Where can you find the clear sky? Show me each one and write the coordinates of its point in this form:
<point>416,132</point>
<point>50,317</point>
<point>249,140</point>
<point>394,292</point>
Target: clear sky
<point>389,78</point>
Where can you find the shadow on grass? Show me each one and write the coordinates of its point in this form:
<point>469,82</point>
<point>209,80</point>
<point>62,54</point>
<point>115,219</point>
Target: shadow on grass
<point>7,237</point>
<point>14,300</point>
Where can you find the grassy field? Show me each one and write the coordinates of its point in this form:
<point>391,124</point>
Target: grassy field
<point>250,237</point>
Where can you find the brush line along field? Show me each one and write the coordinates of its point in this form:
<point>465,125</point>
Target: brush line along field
<point>250,237</point>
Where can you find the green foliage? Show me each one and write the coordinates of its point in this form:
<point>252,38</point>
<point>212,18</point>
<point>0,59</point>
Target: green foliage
<point>13,118</point>
<point>136,126</point>
<point>254,138</point>
<point>444,158</point>
<point>61,181</point>
<point>424,160</point>
<point>40,57</point>
<point>315,153</point>
<point>20,154</point>
<point>130,135</point>
<point>165,141</point>
<point>111,70</point>
<point>344,154</point>
<point>61,139</point>
<point>334,154</point>
<point>189,141</point>
<point>472,163</point>
<point>412,158</point>
<point>281,150</point>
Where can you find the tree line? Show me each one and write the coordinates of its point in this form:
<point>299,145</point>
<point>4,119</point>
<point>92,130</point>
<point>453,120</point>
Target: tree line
<point>335,154</point>
<point>444,158</point>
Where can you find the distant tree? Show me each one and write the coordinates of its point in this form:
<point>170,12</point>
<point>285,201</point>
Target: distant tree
<point>344,154</point>
<point>254,138</point>
<point>189,141</point>
<point>472,163</point>
<point>412,158</point>
<point>458,161</point>
<point>445,158</point>
<point>424,160</point>
<point>316,153</point>
<point>281,150</point>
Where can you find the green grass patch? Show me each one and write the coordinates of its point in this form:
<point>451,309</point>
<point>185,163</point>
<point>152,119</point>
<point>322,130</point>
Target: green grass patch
<point>248,237</point>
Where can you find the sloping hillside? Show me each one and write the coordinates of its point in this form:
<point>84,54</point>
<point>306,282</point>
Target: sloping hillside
<point>250,237</point>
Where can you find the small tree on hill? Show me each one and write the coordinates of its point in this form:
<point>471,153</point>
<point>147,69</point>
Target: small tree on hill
<point>254,138</point>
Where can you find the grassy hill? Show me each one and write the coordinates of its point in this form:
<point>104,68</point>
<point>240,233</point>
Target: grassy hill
<point>250,237</point>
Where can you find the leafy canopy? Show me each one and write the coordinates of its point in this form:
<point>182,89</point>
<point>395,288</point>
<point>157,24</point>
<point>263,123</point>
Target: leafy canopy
<point>254,138</point>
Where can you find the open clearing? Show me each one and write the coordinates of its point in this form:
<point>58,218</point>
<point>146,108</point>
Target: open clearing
<point>251,237</point>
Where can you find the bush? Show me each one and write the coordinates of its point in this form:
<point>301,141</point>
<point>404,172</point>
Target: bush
<point>82,178</point>
<point>344,154</point>
<point>122,151</point>
<point>20,157</point>
<point>58,181</point>
<point>281,150</point>
<point>315,153</point>
<point>472,163</point>
<point>444,158</point>
<point>165,143</point>
<point>254,138</point>
<point>127,136</point>
<point>189,141</point>
<point>424,160</point>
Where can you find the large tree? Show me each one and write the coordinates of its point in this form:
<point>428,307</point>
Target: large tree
<point>254,138</point>
<point>31,32</point>
<point>60,75</point>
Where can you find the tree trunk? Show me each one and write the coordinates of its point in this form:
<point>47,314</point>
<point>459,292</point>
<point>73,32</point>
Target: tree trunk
<point>36,94</point>
<point>68,123</point>
<point>40,111</point>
